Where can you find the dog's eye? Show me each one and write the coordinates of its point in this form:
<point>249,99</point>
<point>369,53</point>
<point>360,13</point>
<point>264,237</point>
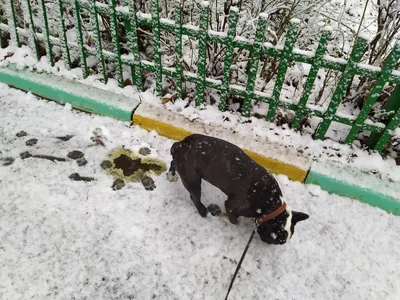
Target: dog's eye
<point>274,235</point>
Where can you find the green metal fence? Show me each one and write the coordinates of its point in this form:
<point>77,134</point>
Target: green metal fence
<point>380,133</point>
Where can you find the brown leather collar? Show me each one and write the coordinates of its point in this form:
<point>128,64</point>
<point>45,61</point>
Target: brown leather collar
<point>271,215</point>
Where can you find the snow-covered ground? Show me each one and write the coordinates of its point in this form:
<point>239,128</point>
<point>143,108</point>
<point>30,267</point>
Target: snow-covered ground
<point>62,239</point>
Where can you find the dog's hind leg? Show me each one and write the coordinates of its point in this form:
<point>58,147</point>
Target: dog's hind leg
<point>171,175</point>
<point>193,186</point>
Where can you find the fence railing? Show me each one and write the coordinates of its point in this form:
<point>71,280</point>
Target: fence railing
<point>380,133</point>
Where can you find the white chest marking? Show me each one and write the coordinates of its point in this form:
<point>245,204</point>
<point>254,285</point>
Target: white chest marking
<point>289,224</point>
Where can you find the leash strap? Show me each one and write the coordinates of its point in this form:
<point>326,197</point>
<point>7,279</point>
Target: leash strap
<point>239,264</point>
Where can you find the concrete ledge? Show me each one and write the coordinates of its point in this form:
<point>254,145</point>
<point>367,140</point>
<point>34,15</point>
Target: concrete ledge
<point>354,184</point>
<point>272,156</point>
<point>62,90</point>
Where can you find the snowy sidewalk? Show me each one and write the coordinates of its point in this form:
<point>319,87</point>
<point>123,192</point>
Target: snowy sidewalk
<point>63,239</point>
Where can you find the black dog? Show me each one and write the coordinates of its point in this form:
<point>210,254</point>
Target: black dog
<point>252,191</point>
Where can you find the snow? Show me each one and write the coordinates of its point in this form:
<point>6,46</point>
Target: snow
<point>217,33</point>
<point>396,73</point>
<point>63,239</point>
<point>268,45</point>
<point>102,5</point>
<point>214,81</point>
<point>295,21</point>
<point>205,4</point>
<point>365,181</point>
<point>369,67</point>
<point>263,16</point>
<point>262,94</point>
<point>191,27</point>
<point>327,28</point>
<point>237,87</point>
<point>190,74</point>
<point>370,122</point>
<point>345,115</point>
<point>239,38</point>
<point>121,9</point>
<point>335,59</point>
<point>143,16</point>
<point>167,21</point>
<point>309,54</point>
<point>365,35</point>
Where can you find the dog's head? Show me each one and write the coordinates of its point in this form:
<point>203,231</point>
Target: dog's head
<point>280,229</point>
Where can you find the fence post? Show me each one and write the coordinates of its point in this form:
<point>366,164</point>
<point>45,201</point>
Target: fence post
<point>202,63</point>
<point>178,47</point>
<point>312,75</point>
<point>12,23</point>
<point>32,29</point>
<point>63,36</point>
<point>99,48</point>
<point>285,59</point>
<point>233,18</point>
<point>377,141</point>
<point>374,93</point>
<point>134,45</point>
<point>254,61</point>
<point>386,135</point>
<point>49,50</point>
<point>342,85</point>
<point>80,39</point>
<point>117,49</point>
<point>155,15</point>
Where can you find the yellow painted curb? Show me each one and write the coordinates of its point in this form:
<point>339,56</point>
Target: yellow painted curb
<point>278,167</point>
<point>160,120</point>
<point>164,129</point>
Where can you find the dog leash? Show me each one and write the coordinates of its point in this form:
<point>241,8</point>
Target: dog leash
<point>240,263</point>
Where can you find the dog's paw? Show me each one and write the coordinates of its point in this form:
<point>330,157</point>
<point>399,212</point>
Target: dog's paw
<point>203,211</point>
<point>214,209</point>
<point>172,178</point>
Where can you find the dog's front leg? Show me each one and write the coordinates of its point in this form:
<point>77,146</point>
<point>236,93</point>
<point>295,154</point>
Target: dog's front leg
<point>231,212</point>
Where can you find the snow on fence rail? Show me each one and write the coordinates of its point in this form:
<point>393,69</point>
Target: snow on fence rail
<point>380,135</point>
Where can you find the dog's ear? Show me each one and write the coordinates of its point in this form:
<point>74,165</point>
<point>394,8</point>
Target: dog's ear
<point>298,216</point>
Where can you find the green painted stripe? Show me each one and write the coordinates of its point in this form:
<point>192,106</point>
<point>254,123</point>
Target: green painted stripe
<point>355,192</point>
<point>62,90</point>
